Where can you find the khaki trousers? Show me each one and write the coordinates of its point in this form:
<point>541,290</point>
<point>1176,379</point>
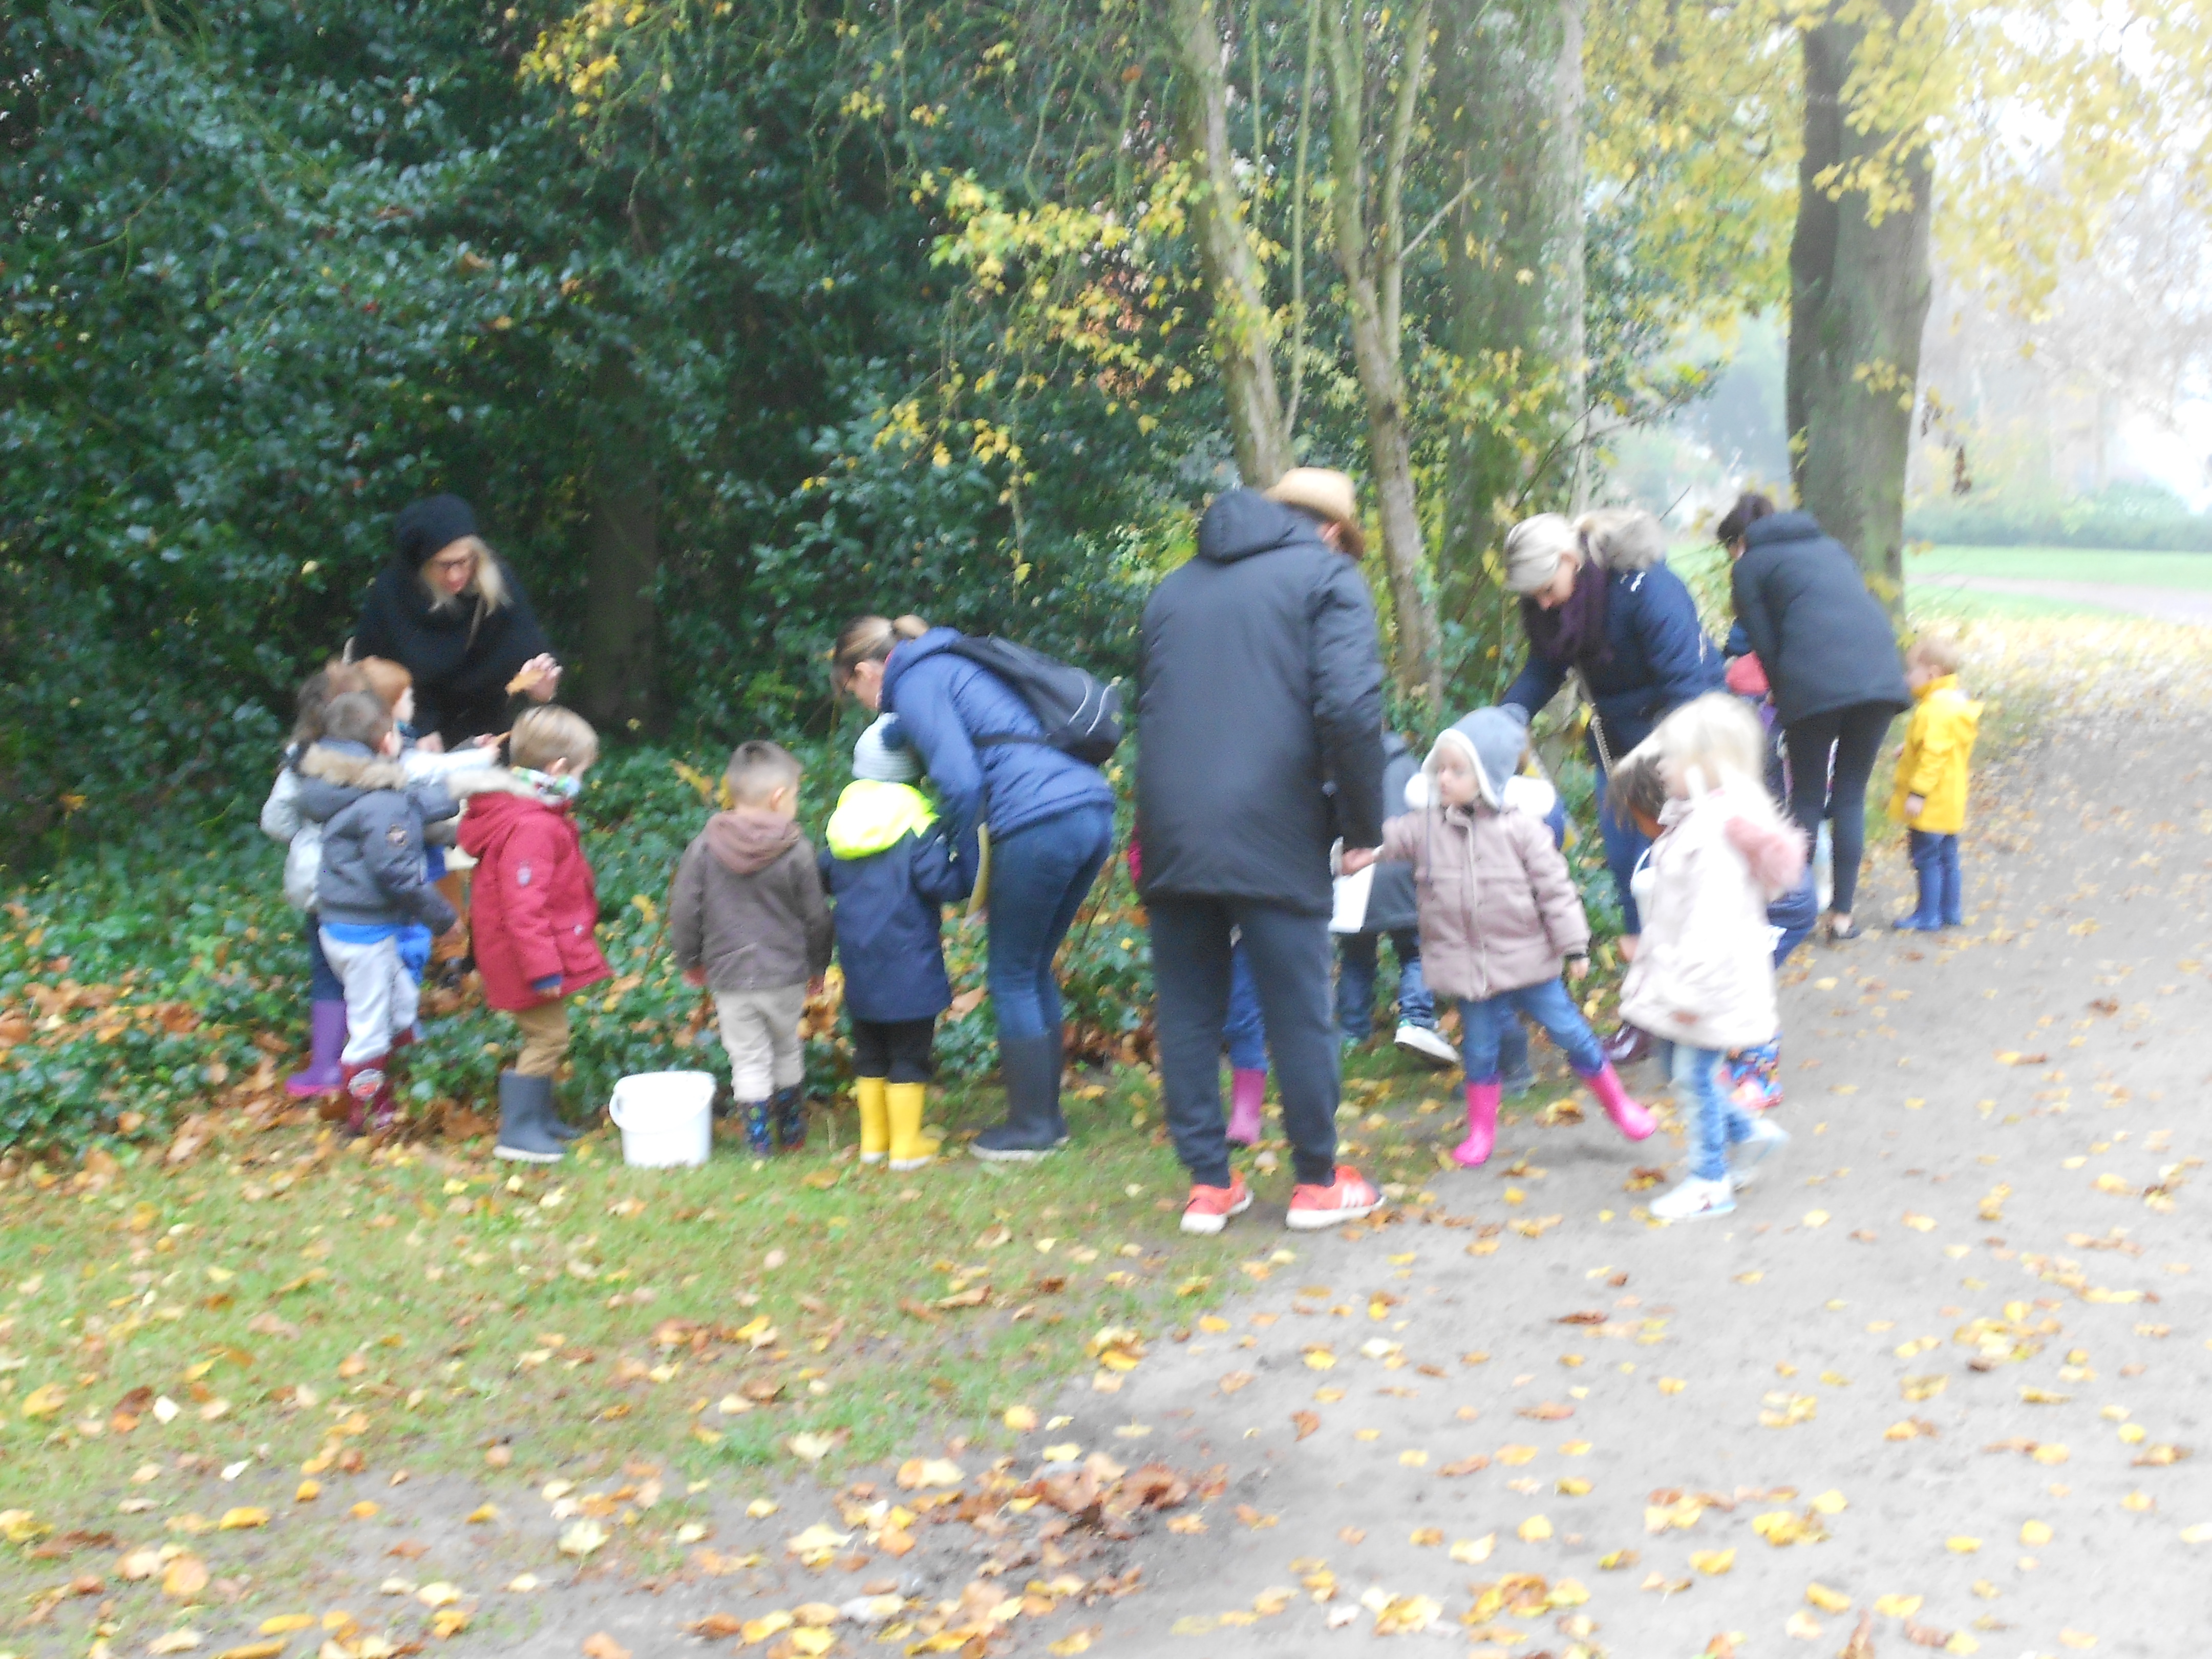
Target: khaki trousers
<point>545,1038</point>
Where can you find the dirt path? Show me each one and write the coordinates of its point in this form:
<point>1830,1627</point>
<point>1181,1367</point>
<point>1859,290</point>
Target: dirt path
<point>1995,1163</point>
<point>2172,605</point>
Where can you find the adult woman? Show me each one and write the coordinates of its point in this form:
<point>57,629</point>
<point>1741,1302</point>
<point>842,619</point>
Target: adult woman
<point>447,610</point>
<point>1598,600</point>
<point>1831,661</point>
<point>1051,822</point>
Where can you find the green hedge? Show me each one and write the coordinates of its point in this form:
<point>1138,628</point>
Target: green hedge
<point>2127,517</point>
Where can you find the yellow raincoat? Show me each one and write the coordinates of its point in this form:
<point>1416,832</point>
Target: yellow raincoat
<point>1939,744</point>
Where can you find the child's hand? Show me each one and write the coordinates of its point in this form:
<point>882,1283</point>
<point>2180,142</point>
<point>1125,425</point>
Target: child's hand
<point>818,985</point>
<point>550,986</point>
<point>1578,968</point>
<point>694,977</point>
<point>1684,1017</point>
<point>1915,806</point>
<point>1356,858</point>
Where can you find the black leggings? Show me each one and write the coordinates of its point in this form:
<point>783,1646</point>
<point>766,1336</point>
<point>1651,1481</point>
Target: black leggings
<point>1854,733</point>
<point>897,1050</point>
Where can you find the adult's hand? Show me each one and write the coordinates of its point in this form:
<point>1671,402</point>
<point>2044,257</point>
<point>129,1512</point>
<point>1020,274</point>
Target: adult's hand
<point>1356,858</point>
<point>539,678</point>
<point>433,745</point>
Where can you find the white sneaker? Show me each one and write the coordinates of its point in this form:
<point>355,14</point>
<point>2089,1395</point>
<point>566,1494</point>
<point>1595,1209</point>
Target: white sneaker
<point>1694,1200</point>
<point>1428,1043</point>
<point>1767,1138</point>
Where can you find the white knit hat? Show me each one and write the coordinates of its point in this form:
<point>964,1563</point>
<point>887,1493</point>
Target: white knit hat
<point>882,754</point>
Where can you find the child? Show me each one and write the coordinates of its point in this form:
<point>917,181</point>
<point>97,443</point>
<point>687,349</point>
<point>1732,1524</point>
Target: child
<point>370,889</point>
<point>1703,980</point>
<point>281,821</point>
<point>1390,911</point>
<point>533,908</point>
<point>892,873</point>
<point>1931,794</point>
<point>747,918</point>
<point>1498,910</point>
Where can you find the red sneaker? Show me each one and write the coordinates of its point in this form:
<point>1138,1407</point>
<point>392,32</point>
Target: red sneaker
<point>1349,1197</point>
<point>1210,1207</point>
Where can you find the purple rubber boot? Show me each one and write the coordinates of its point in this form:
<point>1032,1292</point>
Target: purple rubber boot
<point>327,1040</point>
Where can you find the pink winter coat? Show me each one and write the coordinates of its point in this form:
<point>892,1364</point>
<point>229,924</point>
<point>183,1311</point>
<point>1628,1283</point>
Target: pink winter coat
<point>1704,973</point>
<point>1498,908</point>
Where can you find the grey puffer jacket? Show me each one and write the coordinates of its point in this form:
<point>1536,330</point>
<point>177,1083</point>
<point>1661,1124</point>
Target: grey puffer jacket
<point>371,818</point>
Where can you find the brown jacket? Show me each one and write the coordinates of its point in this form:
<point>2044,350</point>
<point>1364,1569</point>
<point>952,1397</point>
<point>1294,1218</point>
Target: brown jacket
<point>1498,908</point>
<point>747,905</point>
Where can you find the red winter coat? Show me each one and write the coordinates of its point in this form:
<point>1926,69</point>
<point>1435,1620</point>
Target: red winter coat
<point>532,907</point>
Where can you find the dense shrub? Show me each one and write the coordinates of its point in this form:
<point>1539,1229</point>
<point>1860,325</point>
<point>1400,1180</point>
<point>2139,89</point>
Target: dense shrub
<point>2143,517</point>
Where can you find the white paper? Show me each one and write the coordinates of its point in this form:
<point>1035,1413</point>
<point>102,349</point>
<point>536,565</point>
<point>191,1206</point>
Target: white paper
<point>1351,891</point>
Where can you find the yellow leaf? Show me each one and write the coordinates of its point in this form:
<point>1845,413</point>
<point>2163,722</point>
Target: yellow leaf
<point>44,1400</point>
<point>1802,1625</point>
<point>448,1622</point>
<point>1076,1641</point>
<point>2199,1533</point>
<point>440,1595</point>
<point>1021,1419</point>
<point>187,1575</point>
<point>308,1492</point>
<point>483,1512</point>
<point>1832,1502</point>
<point>1535,1529</point>
<point>177,1641</point>
<point>1473,1552</point>
<point>2034,1532</point>
<point>1826,1600</point>
<point>285,1623</point>
<point>1897,1606</point>
<point>239,1520</point>
<point>1712,1562</point>
<point>1962,1546</point>
<point>580,1539</point>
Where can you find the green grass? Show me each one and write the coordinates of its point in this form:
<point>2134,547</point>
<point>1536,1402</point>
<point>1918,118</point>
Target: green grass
<point>2065,564</point>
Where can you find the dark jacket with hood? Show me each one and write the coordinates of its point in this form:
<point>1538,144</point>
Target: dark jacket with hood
<point>371,818</point>
<point>1392,905</point>
<point>891,871</point>
<point>944,703</point>
<point>1825,641</point>
<point>1260,686</point>
<point>747,905</point>
<point>462,655</point>
<point>1657,655</point>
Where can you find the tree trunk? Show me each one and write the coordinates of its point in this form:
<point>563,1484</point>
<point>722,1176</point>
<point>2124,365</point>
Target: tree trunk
<point>1508,101</point>
<point>1257,430</point>
<point>1373,263</point>
<point>618,677</point>
<point>1859,292</point>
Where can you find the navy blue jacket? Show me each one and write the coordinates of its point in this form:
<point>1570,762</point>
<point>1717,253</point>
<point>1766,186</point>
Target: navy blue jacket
<point>890,902</point>
<point>1825,641</point>
<point>1661,659</point>
<point>944,703</point>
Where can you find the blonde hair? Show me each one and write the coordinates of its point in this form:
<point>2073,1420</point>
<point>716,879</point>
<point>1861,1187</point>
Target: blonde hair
<point>1715,738</point>
<point>1938,648</point>
<point>1622,538</point>
<point>1637,783</point>
<point>758,770</point>
<point>489,583</point>
<point>870,639</point>
<point>1533,548</point>
<point>549,733</point>
<point>390,680</point>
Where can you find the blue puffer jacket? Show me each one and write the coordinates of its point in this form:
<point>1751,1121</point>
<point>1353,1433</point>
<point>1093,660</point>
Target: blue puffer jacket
<point>1661,659</point>
<point>944,703</point>
<point>886,865</point>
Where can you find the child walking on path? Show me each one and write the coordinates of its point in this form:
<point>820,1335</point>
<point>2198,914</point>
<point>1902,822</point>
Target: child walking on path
<point>890,869</point>
<point>1499,913</point>
<point>370,893</point>
<point>534,910</point>
<point>748,919</point>
<point>1931,795</point>
<point>1703,979</point>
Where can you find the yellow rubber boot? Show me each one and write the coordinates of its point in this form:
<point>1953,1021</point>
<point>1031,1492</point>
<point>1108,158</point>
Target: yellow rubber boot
<point>875,1122</point>
<point>910,1148</point>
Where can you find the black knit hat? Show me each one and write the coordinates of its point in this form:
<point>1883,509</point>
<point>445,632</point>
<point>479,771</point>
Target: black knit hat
<point>424,526</point>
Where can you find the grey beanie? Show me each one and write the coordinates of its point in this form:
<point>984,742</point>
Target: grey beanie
<point>882,754</point>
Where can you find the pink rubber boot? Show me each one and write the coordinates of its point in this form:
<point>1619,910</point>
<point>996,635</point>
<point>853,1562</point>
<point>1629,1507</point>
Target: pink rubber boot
<point>1248,1095</point>
<point>1481,1124</point>
<point>1631,1118</point>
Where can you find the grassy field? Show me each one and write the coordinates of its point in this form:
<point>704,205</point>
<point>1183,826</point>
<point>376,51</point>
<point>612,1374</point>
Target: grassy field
<point>2065,564</point>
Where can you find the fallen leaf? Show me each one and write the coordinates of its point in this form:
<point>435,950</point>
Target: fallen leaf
<point>1535,1529</point>
<point>238,1520</point>
<point>1306,1422</point>
<point>1234,1381</point>
<point>1897,1606</point>
<point>582,1539</point>
<point>1712,1563</point>
<point>177,1641</point>
<point>1826,1600</point>
<point>600,1645</point>
<point>1473,1552</point>
<point>186,1577</point>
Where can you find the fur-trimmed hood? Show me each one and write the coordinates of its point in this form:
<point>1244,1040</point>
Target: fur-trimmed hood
<point>334,775</point>
<point>1624,538</point>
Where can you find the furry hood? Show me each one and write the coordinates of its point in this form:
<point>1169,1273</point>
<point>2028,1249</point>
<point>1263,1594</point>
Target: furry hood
<point>352,766</point>
<point>1623,538</point>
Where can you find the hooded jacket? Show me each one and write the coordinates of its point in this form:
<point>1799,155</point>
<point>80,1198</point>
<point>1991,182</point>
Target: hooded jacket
<point>1498,905</point>
<point>1659,656</point>
<point>372,819</point>
<point>1704,973</point>
<point>1824,640</point>
<point>533,907</point>
<point>747,904</point>
<point>890,869</point>
<point>1260,691</point>
<point>1392,907</point>
<point>1939,747</point>
<point>944,703</point>
<point>462,655</point>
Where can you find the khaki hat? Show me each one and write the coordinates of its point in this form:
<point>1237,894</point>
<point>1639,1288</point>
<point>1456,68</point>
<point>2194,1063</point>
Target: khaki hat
<point>1327,495</point>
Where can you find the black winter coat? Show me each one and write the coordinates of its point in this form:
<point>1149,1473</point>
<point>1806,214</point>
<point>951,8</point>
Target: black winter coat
<point>1261,684</point>
<point>1825,641</point>
<point>1392,906</point>
<point>461,657</point>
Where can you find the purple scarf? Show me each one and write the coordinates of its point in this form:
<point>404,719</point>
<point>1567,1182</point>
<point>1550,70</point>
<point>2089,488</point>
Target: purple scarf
<point>1574,633</point>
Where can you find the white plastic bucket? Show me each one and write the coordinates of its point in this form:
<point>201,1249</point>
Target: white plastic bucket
<point>667,1118</point>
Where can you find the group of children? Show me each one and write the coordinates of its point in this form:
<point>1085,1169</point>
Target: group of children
<point>751,919</point>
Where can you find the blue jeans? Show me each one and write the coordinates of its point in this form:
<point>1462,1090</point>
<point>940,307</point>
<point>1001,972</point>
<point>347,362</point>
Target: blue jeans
<point>1936,862</point>
<point>1358,960</point>
<point>1717,1122</point>
<point>1794,916</point>
<point>1245,1031</point>
<point>1040,876</point>
<point>1483,1024</point>
<point>1624,844</point>
<point>323,982</point>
